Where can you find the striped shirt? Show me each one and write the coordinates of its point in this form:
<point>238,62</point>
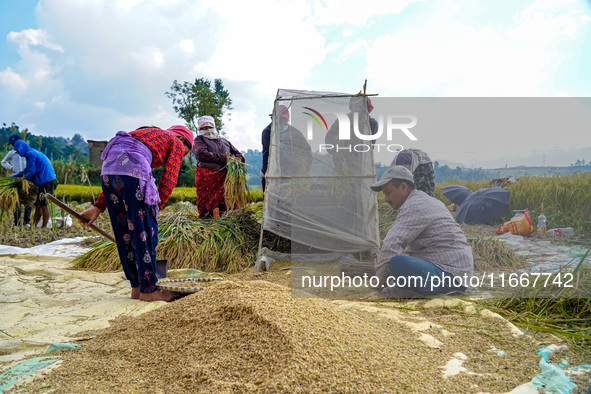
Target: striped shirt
<point>168,151</point>
<point>426,226</point>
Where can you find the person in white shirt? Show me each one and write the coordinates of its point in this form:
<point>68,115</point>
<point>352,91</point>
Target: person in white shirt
<point>15,163</point>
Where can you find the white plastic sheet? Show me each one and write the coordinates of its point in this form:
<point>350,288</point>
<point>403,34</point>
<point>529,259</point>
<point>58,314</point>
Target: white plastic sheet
<point>319,173</point>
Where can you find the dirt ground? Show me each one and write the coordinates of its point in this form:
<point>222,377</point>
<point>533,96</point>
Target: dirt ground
<point>252,336</point>
<point>248,334</point>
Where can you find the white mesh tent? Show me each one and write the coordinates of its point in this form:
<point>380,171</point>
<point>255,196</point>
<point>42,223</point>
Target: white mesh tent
<point>319,173</point>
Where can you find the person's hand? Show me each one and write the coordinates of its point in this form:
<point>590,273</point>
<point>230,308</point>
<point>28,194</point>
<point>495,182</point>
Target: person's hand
<point>90,214</point>
<point>262,175</point>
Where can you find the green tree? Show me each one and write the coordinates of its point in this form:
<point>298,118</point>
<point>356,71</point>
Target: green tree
<point>200,98</point>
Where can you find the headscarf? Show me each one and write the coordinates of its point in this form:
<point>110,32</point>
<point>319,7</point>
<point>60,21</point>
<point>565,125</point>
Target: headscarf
<point>408,159</point>
<point>179,130</point>
<point>207,121</point>
<point>369,106</point>
<point>283,112</point>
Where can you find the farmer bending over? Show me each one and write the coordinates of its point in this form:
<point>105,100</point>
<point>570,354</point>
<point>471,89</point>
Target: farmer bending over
<point>133,201</point>
<point>436,244</point>
<point>39,171</point>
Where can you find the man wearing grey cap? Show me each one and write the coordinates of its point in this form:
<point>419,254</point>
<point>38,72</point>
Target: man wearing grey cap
<point>437,248</point>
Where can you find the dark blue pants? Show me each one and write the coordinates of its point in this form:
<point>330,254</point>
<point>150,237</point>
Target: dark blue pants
<point>135,228</point>
<point>434,280</point>
<point>26,218</point>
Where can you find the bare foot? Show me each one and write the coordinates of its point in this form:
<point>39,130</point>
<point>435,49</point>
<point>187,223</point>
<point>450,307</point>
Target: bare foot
<point>158,295</point>
<point>135,293</point>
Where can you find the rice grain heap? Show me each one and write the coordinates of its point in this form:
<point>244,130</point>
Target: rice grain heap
<point>253,337</point>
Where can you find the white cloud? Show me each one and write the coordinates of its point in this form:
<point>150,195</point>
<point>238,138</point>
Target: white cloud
<point>334,46</point>
<point>127,4</point>
<point>31,78</point>
<point>354,12</point>
<point>351,49</point>
<point>187,45</point>
<point>12,80</point>
<point>273,50</point>
<point>453,56</point>
<point>159,116</point>
<point>240,130</point>
<point>32,37</point>
<point>158,59</point>
<point>102,66</point>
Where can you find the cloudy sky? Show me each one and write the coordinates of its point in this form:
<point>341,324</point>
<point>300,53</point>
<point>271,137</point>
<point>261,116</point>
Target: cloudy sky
<point>97,66</point>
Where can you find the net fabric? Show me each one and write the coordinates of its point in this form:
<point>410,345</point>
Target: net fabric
<point>319,173</point>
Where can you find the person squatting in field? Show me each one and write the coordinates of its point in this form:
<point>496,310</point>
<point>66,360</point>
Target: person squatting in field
<point>437,246</point>
<point>132,199</point>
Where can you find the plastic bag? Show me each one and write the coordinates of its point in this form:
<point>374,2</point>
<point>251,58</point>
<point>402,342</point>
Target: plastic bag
<point>520,225</point>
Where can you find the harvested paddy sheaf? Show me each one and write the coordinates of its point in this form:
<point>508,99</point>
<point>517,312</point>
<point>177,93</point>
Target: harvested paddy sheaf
<point>492,254</point>
<point>224,244</point>
<point>227,244</point>
<point>252,336</point>
<point>15,192</point>
<point>235,187</point>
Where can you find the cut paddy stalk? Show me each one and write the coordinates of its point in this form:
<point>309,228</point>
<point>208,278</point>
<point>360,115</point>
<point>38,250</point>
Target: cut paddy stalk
<point>226,244</point>
<point>235,187</point>
<point>14,192</point>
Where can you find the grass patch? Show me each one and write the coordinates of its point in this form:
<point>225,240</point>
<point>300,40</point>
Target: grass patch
<point>561,314</point>
<point>84,194</point>
<point>564,199</point>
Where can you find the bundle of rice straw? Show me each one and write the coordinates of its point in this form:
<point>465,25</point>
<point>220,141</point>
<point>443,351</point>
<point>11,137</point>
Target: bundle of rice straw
<point>227,244</point>
<point>235,187</point>
<point>14,192</point>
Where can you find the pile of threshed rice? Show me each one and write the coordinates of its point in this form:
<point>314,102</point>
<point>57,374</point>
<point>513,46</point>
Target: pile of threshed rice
<point>253,336</point>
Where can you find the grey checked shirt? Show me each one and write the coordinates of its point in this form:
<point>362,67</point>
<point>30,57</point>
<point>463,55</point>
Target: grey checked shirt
<point>426,226</point>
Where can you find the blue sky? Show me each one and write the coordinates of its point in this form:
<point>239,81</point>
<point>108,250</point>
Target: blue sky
<point>95,67</point>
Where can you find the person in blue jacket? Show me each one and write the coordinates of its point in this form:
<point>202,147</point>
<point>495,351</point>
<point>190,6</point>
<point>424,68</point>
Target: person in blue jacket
<point>39,171</point>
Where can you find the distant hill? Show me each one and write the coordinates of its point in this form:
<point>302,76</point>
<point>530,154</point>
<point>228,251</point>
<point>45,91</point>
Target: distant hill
<point>76,148</point>
<point>523,170</point>
<point>56,148</point>
<point>445,173</point>
<point>450,164</point>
